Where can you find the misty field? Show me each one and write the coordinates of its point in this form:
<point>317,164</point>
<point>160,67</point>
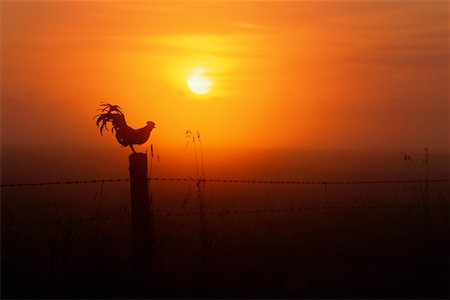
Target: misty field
<point>262,240</point>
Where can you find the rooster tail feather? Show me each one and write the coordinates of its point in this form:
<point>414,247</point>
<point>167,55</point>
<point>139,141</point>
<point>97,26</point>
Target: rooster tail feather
<point>117,120</point>
<point>111,108</point>
<point>110,113</point>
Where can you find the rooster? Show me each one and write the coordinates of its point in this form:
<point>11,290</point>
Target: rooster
<point>125,135</point>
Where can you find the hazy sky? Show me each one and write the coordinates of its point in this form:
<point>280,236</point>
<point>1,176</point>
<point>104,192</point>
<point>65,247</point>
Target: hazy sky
<point>297,75</point>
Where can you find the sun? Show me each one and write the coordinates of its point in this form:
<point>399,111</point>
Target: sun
<point>198,83</point>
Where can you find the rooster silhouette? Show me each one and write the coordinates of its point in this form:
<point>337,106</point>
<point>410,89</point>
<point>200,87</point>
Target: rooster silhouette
<point>125,135</point>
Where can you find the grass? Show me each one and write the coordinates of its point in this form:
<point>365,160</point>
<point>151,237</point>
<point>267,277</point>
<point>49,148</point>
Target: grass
<point>338,252</point>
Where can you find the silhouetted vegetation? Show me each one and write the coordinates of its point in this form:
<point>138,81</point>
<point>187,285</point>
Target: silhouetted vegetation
<point>263,241</point>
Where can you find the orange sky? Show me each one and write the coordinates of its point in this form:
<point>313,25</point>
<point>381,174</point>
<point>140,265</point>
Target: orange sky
<point>297,75</point>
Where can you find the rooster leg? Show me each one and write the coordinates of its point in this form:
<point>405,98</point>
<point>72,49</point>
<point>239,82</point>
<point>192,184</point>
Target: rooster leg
<point>131,146</point>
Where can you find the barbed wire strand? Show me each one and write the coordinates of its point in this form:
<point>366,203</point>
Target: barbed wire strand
<point>228,212</point>
<point>250,181</point>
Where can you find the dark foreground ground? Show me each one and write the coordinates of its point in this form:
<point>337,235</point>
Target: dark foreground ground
<point>383,241</point>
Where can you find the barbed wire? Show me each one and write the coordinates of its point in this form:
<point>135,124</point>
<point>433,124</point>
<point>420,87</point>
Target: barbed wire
<point>64,182</point>
<point>67,221</point>
<point>250,181</point>
<point>227,212</point>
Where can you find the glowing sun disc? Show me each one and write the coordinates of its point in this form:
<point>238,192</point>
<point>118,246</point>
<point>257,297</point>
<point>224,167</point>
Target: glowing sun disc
<point>199,84</point>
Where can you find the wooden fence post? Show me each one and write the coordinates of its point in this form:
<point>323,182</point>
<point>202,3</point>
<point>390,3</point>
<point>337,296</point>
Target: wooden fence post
<point>141,217</point>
